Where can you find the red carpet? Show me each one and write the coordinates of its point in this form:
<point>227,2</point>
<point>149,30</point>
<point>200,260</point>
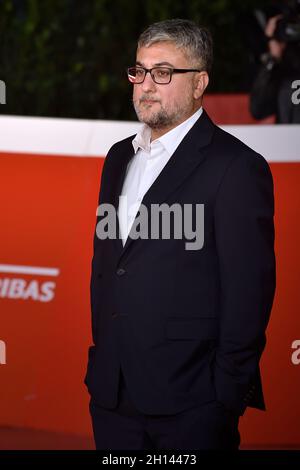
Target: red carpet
<point>31,439</point>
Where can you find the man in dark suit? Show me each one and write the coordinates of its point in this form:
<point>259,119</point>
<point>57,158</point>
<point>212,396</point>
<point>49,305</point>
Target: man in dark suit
<point>178,325</point>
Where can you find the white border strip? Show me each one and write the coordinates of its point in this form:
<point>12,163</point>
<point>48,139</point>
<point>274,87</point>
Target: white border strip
<point>63,137</point>
<point>12,268</point>
<point>87,138</point>
<point>277,143</point>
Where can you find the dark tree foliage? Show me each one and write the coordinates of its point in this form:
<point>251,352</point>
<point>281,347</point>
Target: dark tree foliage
<point>67,58</point>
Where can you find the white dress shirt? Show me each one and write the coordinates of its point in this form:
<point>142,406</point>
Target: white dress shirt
<point>145,166</point>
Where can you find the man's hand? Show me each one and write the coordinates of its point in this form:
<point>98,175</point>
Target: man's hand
<point>276,47</point>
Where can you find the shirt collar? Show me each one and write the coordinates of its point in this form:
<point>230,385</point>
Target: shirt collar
<point>142,139</point>
<point>170,140</point>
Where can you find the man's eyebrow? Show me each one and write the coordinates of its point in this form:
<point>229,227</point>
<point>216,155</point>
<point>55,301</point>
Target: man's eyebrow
<point>158,64</point>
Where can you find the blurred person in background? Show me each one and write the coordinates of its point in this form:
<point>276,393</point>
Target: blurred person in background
<point>275,88</point>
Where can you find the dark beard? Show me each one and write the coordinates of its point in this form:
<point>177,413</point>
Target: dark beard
<point>159,120</point>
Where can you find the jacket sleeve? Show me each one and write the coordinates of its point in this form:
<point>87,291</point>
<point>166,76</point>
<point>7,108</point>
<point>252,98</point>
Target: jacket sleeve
<point>244,233</point>
<point>97,242</point>
<point>104,183</point>
<point>264,92</point>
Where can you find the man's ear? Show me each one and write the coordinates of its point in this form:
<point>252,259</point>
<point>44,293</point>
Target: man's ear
<point>201,82</point>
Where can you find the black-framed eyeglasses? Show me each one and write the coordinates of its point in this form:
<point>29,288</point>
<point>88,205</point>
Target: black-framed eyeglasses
<point>160,75</point>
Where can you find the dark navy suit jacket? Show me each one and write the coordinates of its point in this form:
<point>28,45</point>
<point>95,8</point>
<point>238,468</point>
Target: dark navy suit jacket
<point>187,326</point>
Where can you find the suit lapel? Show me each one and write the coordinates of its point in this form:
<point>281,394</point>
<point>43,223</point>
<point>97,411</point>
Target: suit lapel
<point>116,183</point>
<point>188,155</point>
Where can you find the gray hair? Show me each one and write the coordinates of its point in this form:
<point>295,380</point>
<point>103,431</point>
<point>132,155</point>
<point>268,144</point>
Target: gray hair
<point>195,40</point>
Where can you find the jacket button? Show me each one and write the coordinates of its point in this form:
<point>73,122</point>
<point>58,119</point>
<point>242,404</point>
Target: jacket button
<point>121,271</point>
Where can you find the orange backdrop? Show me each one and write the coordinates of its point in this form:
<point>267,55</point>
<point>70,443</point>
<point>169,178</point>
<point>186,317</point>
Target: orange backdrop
<point>47,220</point>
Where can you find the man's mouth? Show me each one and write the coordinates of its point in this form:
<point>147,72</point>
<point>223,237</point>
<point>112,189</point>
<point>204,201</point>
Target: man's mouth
<point>149,101</point>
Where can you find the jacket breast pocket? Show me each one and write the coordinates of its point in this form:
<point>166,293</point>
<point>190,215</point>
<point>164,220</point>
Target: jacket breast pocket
<point>197,328</point>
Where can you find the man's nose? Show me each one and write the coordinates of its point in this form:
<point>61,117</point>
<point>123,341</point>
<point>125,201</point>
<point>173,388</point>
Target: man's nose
<point>148,83</point>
